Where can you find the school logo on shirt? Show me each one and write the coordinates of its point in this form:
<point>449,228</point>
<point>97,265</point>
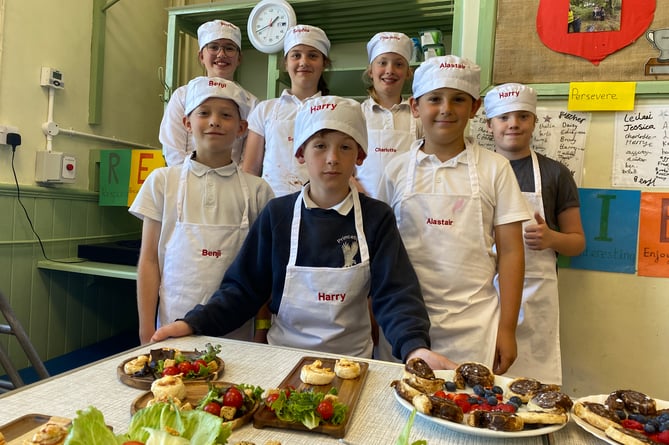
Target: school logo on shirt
<point>349,247</point>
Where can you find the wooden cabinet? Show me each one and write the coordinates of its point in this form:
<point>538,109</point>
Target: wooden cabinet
<point>344,21</point>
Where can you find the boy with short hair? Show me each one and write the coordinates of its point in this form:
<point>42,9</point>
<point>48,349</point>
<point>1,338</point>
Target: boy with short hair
<point>552,195</point>
<point>316,256</point>
<point>196,215</point>
<point>453,201</point>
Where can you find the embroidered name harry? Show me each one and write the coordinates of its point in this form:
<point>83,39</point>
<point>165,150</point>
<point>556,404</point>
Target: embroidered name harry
<point>323,107</point>
<point>216,253</point>
<point>322,296</point>
<point>503,94</point>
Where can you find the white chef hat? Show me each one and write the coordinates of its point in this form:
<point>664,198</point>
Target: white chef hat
<point>510,97</point>
<point>447,72</point>
<point>332,113</point>
<point>389,42</point>
<point>218,29</point>
<point>306,35</point>
<point>202,88</point>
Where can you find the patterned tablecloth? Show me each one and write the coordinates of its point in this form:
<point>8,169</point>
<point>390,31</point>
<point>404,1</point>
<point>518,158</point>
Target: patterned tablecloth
<point>377,419</point>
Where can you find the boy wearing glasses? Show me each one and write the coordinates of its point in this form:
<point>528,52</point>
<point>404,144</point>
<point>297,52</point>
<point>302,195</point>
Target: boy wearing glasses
<point>220,53</point>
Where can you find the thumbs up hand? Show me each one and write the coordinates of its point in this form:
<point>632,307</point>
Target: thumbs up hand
<point>537,236</point>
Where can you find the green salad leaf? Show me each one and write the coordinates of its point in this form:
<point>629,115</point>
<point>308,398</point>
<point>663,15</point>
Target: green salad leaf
<point>301,406</point>
<point>89,428</point>
<point>404,436</point>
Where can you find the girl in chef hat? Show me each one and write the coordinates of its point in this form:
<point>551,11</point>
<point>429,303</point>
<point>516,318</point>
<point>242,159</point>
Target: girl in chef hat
<point>391,128</point>
<point>453,201</point>
<point>269,147</point>
<point>220,54</point>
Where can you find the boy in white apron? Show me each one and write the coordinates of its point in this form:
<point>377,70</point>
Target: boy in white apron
<point>220,54</point>
<point>196,215</point>
<point>453,201</point>
<point>552,197</point>
<point>316,256</point>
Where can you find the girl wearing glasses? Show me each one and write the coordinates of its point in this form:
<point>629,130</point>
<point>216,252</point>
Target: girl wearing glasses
<point>220,53</point>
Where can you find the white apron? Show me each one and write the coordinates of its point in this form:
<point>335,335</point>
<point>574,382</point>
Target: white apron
<point>280,167</point>
<point>307,317</point>
<point>453,266</point>
<point>538,331</point>
<point>190,276</point>
<point>383,145</point>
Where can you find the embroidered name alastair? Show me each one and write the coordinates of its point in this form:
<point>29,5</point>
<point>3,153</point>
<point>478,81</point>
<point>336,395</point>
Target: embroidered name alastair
<point>439,222</point>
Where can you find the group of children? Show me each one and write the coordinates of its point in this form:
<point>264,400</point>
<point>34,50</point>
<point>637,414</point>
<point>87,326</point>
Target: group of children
<point>384,212</point>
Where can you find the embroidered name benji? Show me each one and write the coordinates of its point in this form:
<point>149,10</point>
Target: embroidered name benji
<point>322,296</point>
<point>439,222</point>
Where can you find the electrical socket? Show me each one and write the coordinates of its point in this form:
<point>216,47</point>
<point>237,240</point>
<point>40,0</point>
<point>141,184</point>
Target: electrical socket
<point>4,129</point>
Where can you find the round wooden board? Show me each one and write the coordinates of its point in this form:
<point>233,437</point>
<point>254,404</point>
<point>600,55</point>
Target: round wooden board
<point>195,391</point>
<point>145,382</point>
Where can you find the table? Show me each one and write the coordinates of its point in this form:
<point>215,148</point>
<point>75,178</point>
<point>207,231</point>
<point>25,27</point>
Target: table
<point>377,420</point>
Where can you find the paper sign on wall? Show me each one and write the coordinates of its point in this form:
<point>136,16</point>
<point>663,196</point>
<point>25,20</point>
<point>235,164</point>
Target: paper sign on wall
<point>654,235</point>
<point>601,96</point>
<point>641,148</point>
<point>610,221</point>
<point>559,134</point>
<point>122,172</point>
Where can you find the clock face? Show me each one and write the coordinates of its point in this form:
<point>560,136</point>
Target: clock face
<point>268,24</point>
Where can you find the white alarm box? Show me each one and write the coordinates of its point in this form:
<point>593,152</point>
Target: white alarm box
<point>52,167</point>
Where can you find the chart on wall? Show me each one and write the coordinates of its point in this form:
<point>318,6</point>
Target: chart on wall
<point>559,134</point>
<point>641,148</point>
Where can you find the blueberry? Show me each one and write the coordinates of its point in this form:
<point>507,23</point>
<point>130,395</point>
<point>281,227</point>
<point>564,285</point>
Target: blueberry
<point>450,386</point>
<point>488,393</point>
<point>516,401</point>
<point>638,417</point>
<point>492,400</point>
<point>649,428</point>
<point>664,426</point>
<point>473,400</point>
<point>497,390</point>
<point>621,414</point>
<point>664,417</point>
<point>478,390</point>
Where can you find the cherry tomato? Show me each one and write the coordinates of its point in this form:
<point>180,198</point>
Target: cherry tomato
<point>198,365</point>
<point>271,399</point>
<point>233,397</point>
<point>288,390</point>
<point>213,408</point>
<point>325,409</point>
<point>185,367</point>
<point>170,370</point>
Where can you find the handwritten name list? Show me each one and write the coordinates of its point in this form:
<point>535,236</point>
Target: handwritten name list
<point>641,149</point>
<point>558,134</point>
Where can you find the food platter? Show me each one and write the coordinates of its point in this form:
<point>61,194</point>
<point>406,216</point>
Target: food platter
<point>348,392</point>
<point>195,391</point>
<point>23,428</point>
<point>501,381</point>
<point>146,381</point>
<point>601,398</point>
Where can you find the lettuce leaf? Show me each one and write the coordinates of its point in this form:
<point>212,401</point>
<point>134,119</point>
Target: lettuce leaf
<point>199,427</point>
<point>89,428</point>
<point>404,436</point>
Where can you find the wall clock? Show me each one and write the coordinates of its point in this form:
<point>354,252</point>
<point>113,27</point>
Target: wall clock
<point>268,24</point>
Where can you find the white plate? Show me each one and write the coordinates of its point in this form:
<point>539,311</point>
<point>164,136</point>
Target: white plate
<point>503,382</point>
<point>601,398</point>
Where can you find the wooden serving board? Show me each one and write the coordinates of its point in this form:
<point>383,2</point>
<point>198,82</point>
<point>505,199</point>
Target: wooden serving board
<point>23,428</point>
<point>348,393</point>
<point>195,391</point>
<point>145,382</point>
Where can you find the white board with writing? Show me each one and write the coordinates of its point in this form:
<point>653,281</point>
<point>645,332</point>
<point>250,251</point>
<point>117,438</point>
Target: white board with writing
<point>559,135</point>
<point>641,148</point>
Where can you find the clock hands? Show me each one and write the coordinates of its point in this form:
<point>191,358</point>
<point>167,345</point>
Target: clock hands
<point>271,22</point>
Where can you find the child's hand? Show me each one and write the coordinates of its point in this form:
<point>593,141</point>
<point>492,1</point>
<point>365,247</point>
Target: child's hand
<point>506,352</point>
<point>436,361</point>
<point>537,236</point>
<point>177,329</point>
